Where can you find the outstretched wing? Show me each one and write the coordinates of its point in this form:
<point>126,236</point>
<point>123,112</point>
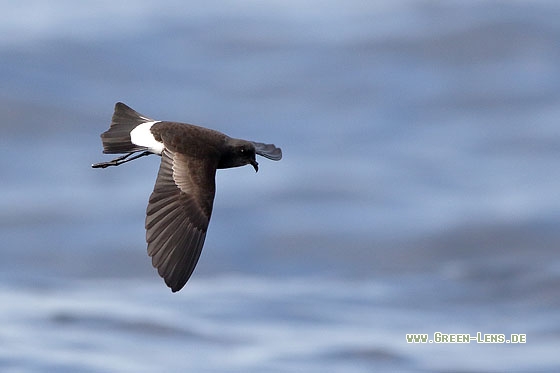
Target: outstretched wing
<point>177,216</point>
<point>269,151</point>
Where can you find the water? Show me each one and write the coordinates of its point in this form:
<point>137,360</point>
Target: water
<point>417,194</point>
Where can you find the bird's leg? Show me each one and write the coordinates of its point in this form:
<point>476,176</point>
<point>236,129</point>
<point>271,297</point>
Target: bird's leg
<point>120,160</point>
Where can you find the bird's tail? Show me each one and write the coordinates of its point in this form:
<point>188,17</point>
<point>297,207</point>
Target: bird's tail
<point>117,138</point>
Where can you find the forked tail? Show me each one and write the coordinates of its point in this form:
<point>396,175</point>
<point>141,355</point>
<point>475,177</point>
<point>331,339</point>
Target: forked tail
<point>116,139</point>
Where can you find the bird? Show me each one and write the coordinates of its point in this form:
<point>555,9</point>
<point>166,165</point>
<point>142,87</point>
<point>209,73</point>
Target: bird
<point>180,205</point>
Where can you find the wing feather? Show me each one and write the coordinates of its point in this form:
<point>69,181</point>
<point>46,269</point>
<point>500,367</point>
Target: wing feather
<point>178,214</point>
<point>269,151</point>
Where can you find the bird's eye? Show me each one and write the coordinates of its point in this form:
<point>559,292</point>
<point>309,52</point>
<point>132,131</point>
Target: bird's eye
<point>245,151</point>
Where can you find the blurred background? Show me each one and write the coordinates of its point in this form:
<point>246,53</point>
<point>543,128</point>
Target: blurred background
<point>418,191</point>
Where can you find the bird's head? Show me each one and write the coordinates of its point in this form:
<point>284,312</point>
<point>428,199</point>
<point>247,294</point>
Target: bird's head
<point>240,153</point>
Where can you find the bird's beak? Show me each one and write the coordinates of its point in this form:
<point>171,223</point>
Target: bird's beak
<point>255,165</point>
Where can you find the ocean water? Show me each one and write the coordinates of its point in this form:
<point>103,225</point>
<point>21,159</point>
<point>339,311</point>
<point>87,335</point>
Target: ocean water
<point>418,191</point>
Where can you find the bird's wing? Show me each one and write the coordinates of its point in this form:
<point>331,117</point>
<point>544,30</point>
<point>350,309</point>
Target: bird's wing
<point>269,151</point>
<point>177,216</point>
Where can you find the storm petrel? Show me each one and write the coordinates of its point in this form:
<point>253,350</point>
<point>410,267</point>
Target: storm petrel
<point>180,206</point>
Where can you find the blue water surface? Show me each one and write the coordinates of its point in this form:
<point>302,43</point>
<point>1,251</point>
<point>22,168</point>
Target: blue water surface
<point>418,191</point>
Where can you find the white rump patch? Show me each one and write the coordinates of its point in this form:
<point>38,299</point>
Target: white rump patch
<point>142,136</point>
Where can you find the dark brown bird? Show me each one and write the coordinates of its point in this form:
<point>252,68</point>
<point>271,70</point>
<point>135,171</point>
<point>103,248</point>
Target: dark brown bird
<point>180,206</point>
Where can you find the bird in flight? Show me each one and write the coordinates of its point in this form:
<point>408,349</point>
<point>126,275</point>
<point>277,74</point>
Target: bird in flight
<point>180,206</point>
